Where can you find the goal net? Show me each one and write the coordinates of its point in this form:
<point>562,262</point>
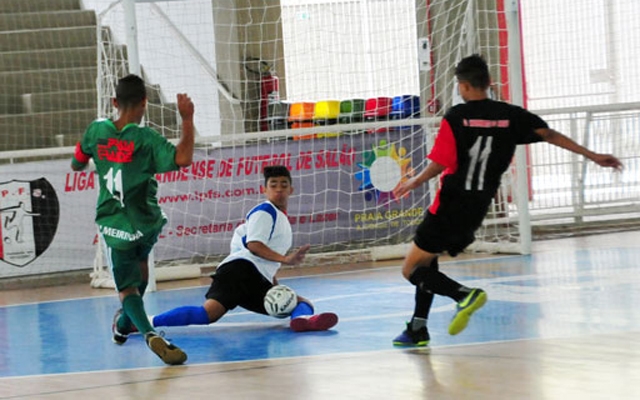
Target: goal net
<point>347,94</point>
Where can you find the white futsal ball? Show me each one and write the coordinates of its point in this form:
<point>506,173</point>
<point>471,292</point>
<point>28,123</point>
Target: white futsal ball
<point>280,301</point>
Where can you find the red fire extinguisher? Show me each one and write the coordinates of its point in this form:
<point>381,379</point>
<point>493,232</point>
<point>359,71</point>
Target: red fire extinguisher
<point>269,89</point>
<point>269,94</point>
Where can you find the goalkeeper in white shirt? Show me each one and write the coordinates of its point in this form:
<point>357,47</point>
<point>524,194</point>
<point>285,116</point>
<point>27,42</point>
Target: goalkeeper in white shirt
<point>258,248</point>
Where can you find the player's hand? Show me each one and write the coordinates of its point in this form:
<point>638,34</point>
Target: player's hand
<point>297,256</point>
<point>185,106</point>
<point>404,187</point>
<point>607,160</point>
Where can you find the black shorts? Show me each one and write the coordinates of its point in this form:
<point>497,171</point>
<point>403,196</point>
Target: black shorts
<point>437,234</point>
<point>238,283</point>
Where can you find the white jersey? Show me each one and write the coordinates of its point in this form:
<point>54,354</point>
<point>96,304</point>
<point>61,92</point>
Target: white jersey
<point>267,224</point>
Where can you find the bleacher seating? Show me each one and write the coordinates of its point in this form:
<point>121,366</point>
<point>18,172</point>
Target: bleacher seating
<point>48,71</point>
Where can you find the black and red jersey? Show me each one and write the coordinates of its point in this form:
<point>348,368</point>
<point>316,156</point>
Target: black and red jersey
<point>476,143</point>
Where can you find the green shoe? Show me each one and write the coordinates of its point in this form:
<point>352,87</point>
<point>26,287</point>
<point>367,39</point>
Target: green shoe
<point>465,308</point>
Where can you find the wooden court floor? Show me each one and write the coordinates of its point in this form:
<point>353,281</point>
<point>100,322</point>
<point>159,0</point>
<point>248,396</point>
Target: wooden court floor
<point>562,323</point>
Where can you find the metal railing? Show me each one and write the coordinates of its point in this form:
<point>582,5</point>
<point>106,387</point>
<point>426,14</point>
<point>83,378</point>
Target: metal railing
<point>570,190</point>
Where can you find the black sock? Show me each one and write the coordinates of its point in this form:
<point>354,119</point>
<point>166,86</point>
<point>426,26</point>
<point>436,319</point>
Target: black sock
<point>423,303</point>
<point>430,279</point>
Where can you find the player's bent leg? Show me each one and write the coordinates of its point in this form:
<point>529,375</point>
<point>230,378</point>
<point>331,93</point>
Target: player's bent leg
<point>182,316</point>
<point>416,257</point>
<point>215,309</point>
<point>133,306</point>
<point>465,308</point>
<point>169,353</point>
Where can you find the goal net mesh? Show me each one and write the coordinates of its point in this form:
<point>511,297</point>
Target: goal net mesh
<point>347,94</point>
<point>321,87</point>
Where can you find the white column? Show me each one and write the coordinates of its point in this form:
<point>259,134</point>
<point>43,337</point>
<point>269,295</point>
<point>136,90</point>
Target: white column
<point>131,31</point>
<point>512,9</point>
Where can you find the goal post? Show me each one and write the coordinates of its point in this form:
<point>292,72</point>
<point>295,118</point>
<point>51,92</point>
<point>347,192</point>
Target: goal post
<point>516,85</point>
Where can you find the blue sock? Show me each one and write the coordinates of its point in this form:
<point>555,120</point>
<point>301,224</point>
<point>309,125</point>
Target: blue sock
<point>182,316</point>
<point>302,309</point>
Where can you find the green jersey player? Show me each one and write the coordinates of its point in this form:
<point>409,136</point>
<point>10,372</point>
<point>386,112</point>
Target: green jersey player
<point>126,157</point>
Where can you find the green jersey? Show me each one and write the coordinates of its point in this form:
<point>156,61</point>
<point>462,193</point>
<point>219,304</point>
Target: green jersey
<point>126,162</point>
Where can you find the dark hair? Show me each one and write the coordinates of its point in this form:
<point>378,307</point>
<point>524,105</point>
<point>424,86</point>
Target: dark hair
<point>474,69</point>
<point>130,91</point>
<point>276,171</point>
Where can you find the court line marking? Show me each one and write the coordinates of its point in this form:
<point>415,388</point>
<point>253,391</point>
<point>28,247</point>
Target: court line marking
<point>295,358</point>
<point>311,276</point>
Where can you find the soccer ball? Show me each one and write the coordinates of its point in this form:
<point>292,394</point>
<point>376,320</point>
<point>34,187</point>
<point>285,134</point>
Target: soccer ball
<point>280,301</point>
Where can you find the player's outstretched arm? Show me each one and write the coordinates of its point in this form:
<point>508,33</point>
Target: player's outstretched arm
<point>431,171</point>
<point>558,139</point>
<point>184,148</point>
<point>298,255</point>
<point>607,160</point>
<point>263,251</point>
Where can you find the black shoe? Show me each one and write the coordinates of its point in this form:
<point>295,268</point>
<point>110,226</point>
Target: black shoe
<point>120,337</point>
<point>411,338</point>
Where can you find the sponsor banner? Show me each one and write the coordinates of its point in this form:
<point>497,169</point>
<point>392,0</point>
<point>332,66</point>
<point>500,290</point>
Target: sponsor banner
<point>342,197</point>
<point>29,214</point>
<point>46,216</point>
<point>342,192</point>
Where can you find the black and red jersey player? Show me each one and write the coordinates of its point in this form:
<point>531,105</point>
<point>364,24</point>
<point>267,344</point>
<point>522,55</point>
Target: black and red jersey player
<point>473,148</point>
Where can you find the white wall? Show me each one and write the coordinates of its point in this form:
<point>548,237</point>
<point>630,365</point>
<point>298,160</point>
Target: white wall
<point>167,61</point>
<point>581,52</point>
